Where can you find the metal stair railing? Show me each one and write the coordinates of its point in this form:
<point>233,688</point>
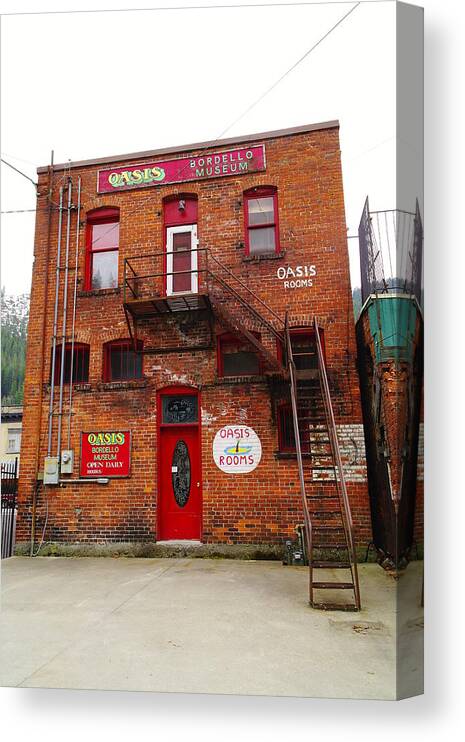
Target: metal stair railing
<point>339,469</point>
<point>227,286</point>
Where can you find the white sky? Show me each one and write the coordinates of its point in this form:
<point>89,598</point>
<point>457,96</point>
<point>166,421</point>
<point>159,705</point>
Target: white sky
<point>94,84</point>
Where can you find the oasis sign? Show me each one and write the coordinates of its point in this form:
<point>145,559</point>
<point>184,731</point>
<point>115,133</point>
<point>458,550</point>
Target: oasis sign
<point>213,165</point>
<point>106,454</point>
<point>296,277</point>
<point>237,449</point>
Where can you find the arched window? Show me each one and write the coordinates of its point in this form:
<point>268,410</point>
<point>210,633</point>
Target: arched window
<point>102,244</point>
<point>261,221</point>
<point>121,362</point>
<point>78,358</point>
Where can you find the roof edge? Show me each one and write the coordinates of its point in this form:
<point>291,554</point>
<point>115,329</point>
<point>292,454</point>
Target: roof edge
<point>198,145</point>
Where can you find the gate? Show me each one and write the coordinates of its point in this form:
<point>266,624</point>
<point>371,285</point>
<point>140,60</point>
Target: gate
<point>9,484</point>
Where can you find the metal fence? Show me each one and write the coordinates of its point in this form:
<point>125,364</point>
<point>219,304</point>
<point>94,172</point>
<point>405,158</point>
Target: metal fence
<point>391,252</point>
<point>9,485</point>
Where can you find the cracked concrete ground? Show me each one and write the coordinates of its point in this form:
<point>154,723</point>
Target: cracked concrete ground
<point>204,626</point>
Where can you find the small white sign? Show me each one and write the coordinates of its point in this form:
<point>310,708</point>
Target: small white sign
<point>237,449</point>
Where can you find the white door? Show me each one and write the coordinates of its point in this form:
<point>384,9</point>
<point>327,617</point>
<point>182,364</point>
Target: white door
<point>181,260</point>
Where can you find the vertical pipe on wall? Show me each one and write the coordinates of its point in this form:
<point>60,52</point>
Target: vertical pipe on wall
<point>55,325</point>
<point>73,325</point>
<point>43,345</point>
<point>65,306</point>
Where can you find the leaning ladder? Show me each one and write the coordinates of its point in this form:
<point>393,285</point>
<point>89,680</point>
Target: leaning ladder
<point>321,538</point>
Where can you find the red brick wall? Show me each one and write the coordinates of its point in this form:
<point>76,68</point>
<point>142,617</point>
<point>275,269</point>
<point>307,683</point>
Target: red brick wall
<point>260,507</point>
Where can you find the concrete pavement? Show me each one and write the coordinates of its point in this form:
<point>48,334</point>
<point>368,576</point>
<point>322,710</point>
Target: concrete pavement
<point>201,626</point>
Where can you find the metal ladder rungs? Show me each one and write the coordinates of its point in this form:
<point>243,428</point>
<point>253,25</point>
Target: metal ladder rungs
<point>335,607</point>
<point>333,585</point>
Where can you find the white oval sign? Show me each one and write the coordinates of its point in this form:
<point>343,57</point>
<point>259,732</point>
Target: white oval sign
<point>237,449</point>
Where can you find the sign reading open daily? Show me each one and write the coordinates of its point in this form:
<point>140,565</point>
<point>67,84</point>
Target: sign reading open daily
<point>106,454</point>
<point>162,172</point>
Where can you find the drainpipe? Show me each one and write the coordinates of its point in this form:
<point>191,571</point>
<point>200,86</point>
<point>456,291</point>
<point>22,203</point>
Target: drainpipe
<point>65,307</point>
<point>55,326</point>
<point>76,258</point>
<point>44,328</point>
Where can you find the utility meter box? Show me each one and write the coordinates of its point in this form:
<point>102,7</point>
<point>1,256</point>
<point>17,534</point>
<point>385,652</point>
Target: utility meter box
<point>51,470</point>
<point>67,461</point>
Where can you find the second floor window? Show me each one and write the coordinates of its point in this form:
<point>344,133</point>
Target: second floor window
<point>121,362</point>
<point>102,244</point>
<point>261,221</point>
<point>78,358</point>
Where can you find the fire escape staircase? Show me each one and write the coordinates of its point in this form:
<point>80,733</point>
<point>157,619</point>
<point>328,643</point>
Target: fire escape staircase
<point>329,529</point>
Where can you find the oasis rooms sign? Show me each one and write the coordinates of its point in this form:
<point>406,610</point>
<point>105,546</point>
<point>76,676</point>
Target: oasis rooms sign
<point>214,165</point>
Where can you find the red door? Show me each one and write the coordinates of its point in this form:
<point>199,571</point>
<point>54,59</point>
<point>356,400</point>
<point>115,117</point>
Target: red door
<point>180,502</point>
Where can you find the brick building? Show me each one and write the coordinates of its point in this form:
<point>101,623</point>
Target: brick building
<point>189,260</point>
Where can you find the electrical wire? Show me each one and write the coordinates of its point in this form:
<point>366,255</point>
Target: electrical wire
<point>291,69</point>
<point>19,171</point>
<point>263,95</point>
<point>232,6</point>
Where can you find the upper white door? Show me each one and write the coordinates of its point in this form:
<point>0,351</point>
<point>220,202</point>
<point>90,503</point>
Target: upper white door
<point>181,260</point>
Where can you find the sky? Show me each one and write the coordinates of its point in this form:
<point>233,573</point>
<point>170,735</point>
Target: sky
<point>91,84</point>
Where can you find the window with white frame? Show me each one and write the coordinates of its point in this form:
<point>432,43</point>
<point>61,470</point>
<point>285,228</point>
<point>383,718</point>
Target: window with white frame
<point>14,440</point>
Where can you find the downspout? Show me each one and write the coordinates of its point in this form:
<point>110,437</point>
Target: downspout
<point>44,327</point>
<point>55,326</point>
<point>76,258</point>
<point>65,307</point>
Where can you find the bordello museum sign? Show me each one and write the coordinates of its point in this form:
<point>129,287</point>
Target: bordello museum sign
<point>214,165</point>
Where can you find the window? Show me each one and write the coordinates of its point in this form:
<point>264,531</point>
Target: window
<point>237,357</point>
<point>121,362</point>
<point>286,438</point>
<point>79,360</point>
<point>304,349</point>
<point>14,440</point>
<point>102,243</point>
<point>180,409</point>
<point>261,221</point>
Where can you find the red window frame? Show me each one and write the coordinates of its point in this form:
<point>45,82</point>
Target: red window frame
<point>285,410</point>
<point>125,344</point>
<point>228,338</point>
<point>79,348</point>
<point>261,192</point>
<point>103,215</point>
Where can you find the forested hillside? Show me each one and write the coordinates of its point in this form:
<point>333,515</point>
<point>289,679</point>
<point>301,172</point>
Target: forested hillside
<point>15,313</point>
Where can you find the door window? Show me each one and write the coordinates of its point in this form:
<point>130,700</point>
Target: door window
<point>181,473</point>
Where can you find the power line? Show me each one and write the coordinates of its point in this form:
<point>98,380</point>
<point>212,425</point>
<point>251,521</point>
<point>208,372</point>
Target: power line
<point>232,6</point>
<point>19,171</point>
<point>293,67</point>
<point>20,211</point>
<point>260,98</point>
